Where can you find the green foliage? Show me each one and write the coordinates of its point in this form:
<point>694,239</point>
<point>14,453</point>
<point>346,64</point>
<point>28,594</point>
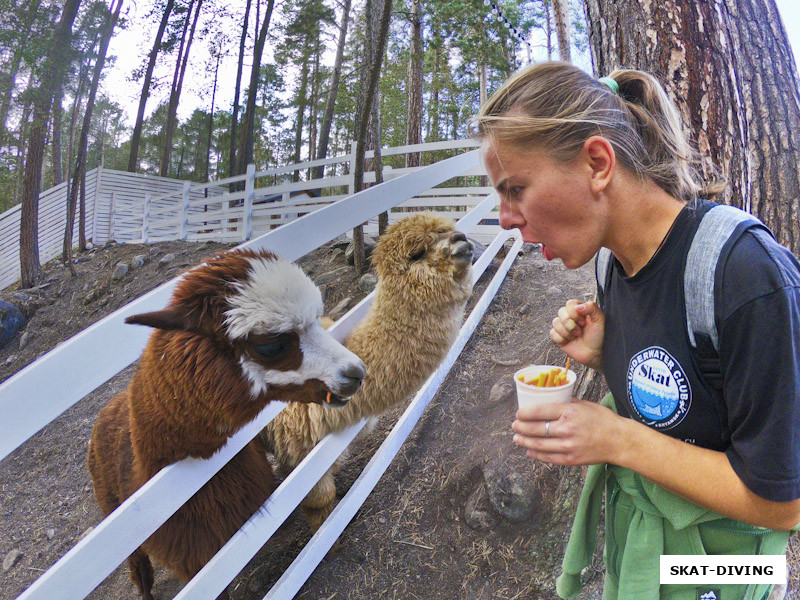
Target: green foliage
<point>459,37</point>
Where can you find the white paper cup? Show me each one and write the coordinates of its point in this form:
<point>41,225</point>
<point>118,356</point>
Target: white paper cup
<point>532,394</point>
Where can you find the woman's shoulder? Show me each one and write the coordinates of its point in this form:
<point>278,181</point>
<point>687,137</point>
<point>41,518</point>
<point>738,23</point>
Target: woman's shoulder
<point>755,267</point>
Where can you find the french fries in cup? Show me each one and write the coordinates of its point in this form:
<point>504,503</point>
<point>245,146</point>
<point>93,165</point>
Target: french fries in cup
<point>540,384</point>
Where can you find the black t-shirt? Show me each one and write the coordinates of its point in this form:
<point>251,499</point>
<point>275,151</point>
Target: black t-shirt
<point>654,374</point>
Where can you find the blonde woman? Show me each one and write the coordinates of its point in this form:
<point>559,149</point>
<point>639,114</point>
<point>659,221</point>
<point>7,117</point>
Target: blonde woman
<point>691,462</point>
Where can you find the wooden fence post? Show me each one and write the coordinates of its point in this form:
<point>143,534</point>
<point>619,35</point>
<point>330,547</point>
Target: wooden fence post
<point>351,184</point>
<point>249,188</point>
<point>184,211</point>
<point>146,218</point>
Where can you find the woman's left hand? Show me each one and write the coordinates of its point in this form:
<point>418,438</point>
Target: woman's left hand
<point>574,433</point>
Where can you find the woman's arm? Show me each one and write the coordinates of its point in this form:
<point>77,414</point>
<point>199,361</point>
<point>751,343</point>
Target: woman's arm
<point>584,433</point>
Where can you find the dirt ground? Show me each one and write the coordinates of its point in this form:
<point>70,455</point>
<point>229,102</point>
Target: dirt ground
<point>412,538</point>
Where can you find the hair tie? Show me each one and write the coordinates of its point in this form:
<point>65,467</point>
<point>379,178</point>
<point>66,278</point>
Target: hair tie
<point>610,84</point>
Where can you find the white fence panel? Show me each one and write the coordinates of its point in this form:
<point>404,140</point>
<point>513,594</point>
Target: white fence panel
<point>51,223</point>
<point>273,193</point>
<point>73,369</point>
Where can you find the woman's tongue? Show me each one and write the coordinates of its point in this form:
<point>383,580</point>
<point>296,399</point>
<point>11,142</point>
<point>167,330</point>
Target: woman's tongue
<point>546,253</point>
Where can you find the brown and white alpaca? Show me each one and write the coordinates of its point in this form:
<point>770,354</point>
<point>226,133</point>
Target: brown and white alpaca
<point>424,281</point>
<point>240,330</point>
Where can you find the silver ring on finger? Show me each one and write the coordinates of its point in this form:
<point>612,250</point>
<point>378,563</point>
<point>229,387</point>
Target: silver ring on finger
<point>547,429</point>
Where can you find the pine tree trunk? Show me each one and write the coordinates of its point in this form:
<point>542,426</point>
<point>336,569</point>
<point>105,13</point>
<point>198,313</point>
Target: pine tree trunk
<point>367,92</point>
<point>136,137</point>
<point>732,74</point>
<point>79,174</point>
<point>58,113</point>
<point>482,84</point>
<point>211,120</point>
<point>177,85</point>
<point>330,103</point>
<point>313,106</point>
<point>548,28</point>
<point>235,110</point>
<point>433,130</point>
<point>377,161</point>
<point>53,72</point>
<point>414,107</point>
<point>19,162</point>
<point>301,111</point>
<point>83,75</point>
<point>8,82</point>
<point>248,123</point>
<point>561,16</point>
<point>82,215</point>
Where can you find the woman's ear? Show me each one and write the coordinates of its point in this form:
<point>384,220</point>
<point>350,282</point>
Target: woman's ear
<point>601,159</point>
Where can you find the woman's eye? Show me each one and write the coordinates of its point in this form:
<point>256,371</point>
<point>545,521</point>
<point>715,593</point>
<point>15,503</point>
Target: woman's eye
<point>515,191</point>
<point>270,350</point>
<point>417,255</point>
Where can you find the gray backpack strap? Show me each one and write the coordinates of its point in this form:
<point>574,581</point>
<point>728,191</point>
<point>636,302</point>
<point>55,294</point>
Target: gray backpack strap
<point>602,270</point>
<point>714,232</point>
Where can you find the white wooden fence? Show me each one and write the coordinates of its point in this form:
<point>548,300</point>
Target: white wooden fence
<point>69,372</point>
<point>130,207</point>
<point>101,185</point>
<point>66,374</point>
<point>258,202</point>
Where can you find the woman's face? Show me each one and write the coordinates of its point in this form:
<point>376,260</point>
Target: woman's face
<point>550,201</point>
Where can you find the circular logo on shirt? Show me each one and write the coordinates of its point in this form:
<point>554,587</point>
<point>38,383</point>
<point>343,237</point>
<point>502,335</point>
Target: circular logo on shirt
<point>658,389</point>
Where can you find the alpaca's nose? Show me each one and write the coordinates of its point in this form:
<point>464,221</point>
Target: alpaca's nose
<point>353,374</point>
<point>460,247</point>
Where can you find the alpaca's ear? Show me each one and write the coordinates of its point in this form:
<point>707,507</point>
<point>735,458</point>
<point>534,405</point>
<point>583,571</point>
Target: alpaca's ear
<point>172,317</point>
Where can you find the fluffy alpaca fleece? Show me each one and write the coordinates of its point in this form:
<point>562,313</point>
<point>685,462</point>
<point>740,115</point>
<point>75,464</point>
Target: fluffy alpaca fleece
<point>424,281</point>
<point>240,330</point>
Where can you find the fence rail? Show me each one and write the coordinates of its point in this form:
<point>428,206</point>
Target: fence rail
<point>102,186</point>
<point>135,208</point>
<point>259,201</point>
<point>69,372</point>
<point>66,374</point>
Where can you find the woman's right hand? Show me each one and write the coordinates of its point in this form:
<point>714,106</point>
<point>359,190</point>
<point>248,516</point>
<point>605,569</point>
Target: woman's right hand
<point>579,329</point>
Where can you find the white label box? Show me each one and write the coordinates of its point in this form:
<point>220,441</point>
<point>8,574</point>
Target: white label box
<point>723,568</point>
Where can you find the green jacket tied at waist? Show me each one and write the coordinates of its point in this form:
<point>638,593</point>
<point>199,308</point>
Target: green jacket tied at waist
<point>644,521</point>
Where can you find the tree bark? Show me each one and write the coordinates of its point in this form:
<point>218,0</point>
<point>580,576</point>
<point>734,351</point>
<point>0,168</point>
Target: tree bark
<point>728,66</point>
<point>235,109</point>
<point>313,106</point>
<point>73,124</point>
<point>377,161</point>
<point>79,173</point>
<point>367,92</point>
<point>58,113</point>
<point>561,17</point>
<point>177,85</point>
<point>414,107</point>
<point>133,159</point>
<point>301,111</point>
<point>211,119</point>
<point>14,65</point>
<point>330,103</point>
<point>433,130</point>
<point>548,29</point>
<point>248,124</point>
<point>53,72</point>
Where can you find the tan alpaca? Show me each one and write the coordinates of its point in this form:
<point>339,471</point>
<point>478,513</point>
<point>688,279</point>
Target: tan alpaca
<point>424,281</point>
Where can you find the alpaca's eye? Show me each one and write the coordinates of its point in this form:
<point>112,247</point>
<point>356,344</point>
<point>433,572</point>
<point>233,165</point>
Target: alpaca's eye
<point>417,255</point>
<point>270,350</point>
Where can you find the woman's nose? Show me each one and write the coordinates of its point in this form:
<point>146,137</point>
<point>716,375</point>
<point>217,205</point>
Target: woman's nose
<point>509,219</point>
